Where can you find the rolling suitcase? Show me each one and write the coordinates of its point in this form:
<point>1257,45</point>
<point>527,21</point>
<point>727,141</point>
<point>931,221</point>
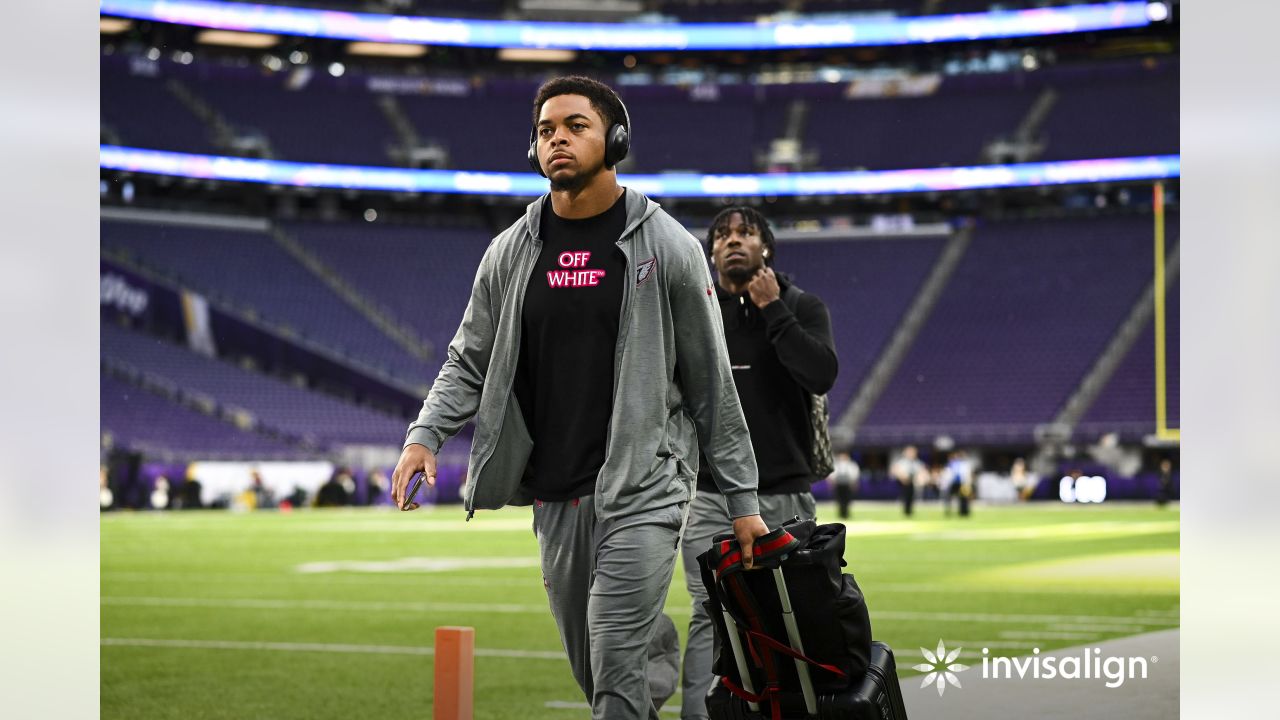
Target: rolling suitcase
<point>793,636</point>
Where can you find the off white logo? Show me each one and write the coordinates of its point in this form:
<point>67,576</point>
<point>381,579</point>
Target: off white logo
<point>577,275</point>
<point>645,270</point>
<point>941,667</point>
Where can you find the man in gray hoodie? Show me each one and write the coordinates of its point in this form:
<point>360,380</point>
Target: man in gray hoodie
<point>592,357</point>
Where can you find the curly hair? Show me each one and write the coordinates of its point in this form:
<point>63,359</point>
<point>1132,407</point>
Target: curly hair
<point>602,98</point>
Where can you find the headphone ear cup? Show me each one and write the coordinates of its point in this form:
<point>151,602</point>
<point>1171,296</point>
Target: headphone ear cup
<point>617,145</point>
<point>533,158</point>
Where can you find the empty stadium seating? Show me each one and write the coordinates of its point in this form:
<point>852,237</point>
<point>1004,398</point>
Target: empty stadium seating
<point>1127,405</point>
<point>283,407</point>
<point>420,275</point>
<point>247,270</point>
<point>867,286</point>
<point>143,419</point>
<point>1023,317</point>
<point>1102,110</point>
<point>166,125</point>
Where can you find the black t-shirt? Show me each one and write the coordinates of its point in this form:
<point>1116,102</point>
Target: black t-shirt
<point>564,381</point>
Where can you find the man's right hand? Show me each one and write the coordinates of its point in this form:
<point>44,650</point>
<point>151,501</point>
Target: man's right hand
<point>414,459</point>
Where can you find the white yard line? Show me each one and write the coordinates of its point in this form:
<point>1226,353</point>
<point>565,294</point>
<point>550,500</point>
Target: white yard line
<point>568,705</point>
<point>355,605</point>
<point>1118,623</point>
<point>322,647</point>
<point>1017,618</point>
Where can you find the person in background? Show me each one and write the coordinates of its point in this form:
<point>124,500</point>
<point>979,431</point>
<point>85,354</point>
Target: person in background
<point>1164,493</point>
<point>160,498</point>
<point>844,482</point>
<point>375,490</point>
<point>958,480</point>
<point>1024,481</point>
<point>908,471</point>
<point>106,498</point>
<point>262,495</point>
<point>334,492</point>
<point>189,495</point>
<point>781,353</point>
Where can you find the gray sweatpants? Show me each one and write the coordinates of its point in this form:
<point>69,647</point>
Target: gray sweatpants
<point>708,517</point>
<point>607,582</point>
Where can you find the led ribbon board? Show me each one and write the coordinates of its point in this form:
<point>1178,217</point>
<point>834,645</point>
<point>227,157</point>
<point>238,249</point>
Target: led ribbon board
<point>878,182</point>
<point>633,36</point>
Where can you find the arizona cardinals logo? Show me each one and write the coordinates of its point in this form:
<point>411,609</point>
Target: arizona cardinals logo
<point>645,270</point>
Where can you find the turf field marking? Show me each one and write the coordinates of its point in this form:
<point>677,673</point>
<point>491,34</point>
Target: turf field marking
<point>418,564</point>
<point>1046,635</point>
<point>1059,531</point>
<point>360,605</point>
<point>1084,627</point>
<point>292,578</point>
<point>948,586</point>
<point>323,647</point>
<point>567,705</point>
<point>1019,618</point>
<point>971,648</point>
<point>1118,622</point>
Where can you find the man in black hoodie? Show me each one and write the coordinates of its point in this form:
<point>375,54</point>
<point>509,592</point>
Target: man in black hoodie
<point>781,352</point>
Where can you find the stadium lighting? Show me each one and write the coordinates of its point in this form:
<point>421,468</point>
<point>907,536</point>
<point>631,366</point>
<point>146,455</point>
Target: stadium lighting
<point>113,26</point>
<point>881,182</point>
<point>231,38</point>
<point>379,49</point>
<point>1157,12</point>
<point>794,32</point>
<point>337,69</point>
<point>537,55</point>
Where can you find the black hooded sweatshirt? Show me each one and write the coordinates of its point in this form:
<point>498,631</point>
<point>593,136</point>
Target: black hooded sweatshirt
<point>779,357</point>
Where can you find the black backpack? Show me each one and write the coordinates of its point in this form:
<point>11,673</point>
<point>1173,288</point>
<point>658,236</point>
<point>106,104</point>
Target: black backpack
<point>821,460</point>
<point>830,615</point>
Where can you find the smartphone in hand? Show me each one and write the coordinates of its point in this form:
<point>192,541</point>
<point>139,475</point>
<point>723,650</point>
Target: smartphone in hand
<point>414,487</point>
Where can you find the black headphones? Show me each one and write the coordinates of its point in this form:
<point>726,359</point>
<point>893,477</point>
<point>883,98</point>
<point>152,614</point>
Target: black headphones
<point>617,142</point>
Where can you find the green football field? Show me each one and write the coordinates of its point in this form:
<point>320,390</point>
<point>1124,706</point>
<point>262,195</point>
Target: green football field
<point>330,614</point>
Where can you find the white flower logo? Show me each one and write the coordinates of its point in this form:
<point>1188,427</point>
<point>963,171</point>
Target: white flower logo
<point>941,667</point>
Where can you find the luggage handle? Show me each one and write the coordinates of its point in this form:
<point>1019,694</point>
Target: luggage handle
<point>793,636</point>
<point>769,551</point>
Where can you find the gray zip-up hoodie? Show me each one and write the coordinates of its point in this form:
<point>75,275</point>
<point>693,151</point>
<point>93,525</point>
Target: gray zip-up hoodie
<point>672,382</point>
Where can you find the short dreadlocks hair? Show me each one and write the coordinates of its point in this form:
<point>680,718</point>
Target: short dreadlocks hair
<point>602,98</point>
<point>751,217</point>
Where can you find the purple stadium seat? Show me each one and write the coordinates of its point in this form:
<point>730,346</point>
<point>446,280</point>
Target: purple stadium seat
<point>868,286</point>
<point>1127,404</point>
<point>276,404</point>
<point>1023,318</point>
<point>139,418</point>
<point>421,276</point>
<point>247,270</point>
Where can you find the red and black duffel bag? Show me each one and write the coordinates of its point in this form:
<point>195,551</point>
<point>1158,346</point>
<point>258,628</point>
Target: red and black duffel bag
<point>793,635</point>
